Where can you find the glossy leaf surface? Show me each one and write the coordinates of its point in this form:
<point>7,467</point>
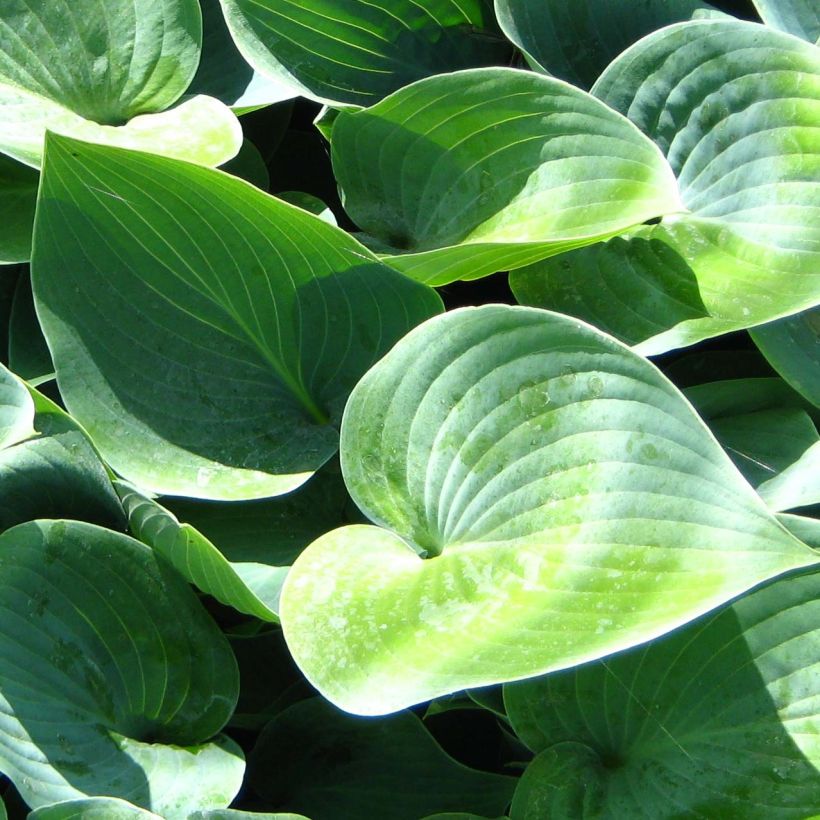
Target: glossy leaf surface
<point>254,342</point>
<point>572,502</point>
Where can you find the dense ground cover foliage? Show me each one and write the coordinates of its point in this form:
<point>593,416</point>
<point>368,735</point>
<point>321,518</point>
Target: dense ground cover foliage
<point>409,410</point>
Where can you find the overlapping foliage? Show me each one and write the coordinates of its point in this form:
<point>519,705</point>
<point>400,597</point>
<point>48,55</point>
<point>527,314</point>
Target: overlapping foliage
<point>259,478</point>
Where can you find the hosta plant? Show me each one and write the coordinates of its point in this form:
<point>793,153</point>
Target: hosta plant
<point>409,409</point>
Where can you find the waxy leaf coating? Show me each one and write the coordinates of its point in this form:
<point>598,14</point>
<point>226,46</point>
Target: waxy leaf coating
<point>572,500</point>
<point>112,675</point>
<point>261,319</point>
<point>718,720</point>
<point>465,174</point>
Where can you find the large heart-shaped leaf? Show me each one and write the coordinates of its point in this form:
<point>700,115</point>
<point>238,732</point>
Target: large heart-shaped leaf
<point>573,501</point>
<point>718,720</point>
<point>112,675</point>
<point>314,759</point>
<point>798,17</point>
<point>792,347</point>
<point>262,318</point>
<point>576,39</point>
<point>358,52</point>
<point>102,70</point>
<point>107,60</point>
<point>18,193</point>
<point>734,107</point>
<point>462,175</point>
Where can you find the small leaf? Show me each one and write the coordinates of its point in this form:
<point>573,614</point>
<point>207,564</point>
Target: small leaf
<point>112,676</point>
<point>719,720</point>
<point>572,500</point>
<point>16,410</point>
<point>29,355</point>
<point>733,106</point>
<point>262,319</point>
<point>577,40</point>
<point>363,50</point>
<point>792,347</point>
<point>313,759</point>
<point>463,175</point>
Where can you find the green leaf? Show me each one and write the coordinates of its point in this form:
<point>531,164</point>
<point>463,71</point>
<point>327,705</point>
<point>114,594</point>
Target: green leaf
<point>733,107</point>
<point>792,347</point>
<point>235,814</point>
<point>805,528</point>
<point>309,203</point>
<point>224,73</point>
<point>106,60</point>
<point>54,473</point>
<point>112,675</point>
<point>200,129</point>
<point>313,759</point>
<point>249,165</point>
<point>3,815</point>
<point>360,51</point>
<point>29,356</point>
<point>16,410</point>
<point>575,41</point>
<point>573,501</point>
<point>18,194</point>
<point>717,720</point>
<point>462,175</point>
<point>251,588</point>
<point>798,17</point>
<point>93,808</point>
<point>262,318</point>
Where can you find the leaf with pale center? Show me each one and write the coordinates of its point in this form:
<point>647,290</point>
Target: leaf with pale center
<point>262,318</point>
<point>113,678</point>
<point>734,107</point>
<point>460,176</point>
<point>718,720</point>
<point>572,500</point>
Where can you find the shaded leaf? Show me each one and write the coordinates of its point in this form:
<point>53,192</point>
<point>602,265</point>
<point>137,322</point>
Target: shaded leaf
<point>16,410</point>
<point>463,175</point>
<point>729,703</point>
<point>249,165</point>
<point>733,106</point>
<point>93,808</point>
<point>572,501</point>
<point>314,759</point>
<point>262,319</point>
<point>18,194</point>
<point>798,17</point>
<point>29,356</point>
<point>576,39</point>
<point>360,51</point>
<point>113,677</point>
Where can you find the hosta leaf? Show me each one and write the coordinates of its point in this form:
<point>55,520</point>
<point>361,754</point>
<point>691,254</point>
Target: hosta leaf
<point>576,39</point>
<point>112,675</point>
<point>106,60</point>
<point>573,501</point>
<point>18,193</point>
<point>223,72</point>
<point>798,17</point>
<point>93,808</point>
<point>54,473</point>
<point>314,759</point>
<point>252,588</point>
<point>16,410</point>
<point>3,815</point>
<point>462,175</point>
<point>362,50</point>
<point>200,129</point>
<point>792,347</point>
<point>717,720</point>
<point>249,165</point>
<point>733,105</point>
<point>236,814</point>
<point>262,319</point>
<point>805,528</point>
